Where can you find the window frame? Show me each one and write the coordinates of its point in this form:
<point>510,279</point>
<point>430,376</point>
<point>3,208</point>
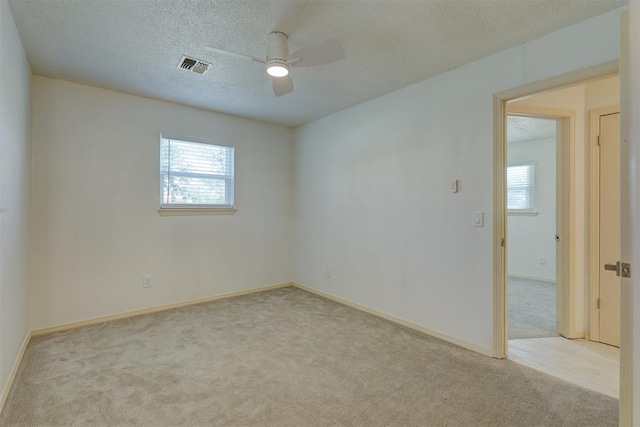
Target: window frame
<point>524,211</point>
<point>186,209</point>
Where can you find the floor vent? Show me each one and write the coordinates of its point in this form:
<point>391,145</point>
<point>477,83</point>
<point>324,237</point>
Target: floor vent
<point>195,65</point>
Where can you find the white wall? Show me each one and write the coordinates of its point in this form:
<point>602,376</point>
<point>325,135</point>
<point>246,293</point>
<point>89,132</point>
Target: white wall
<point>372,196</point>
<point>532,237</point>
<point>15,147</point>
<point>602,93</point>
<point>96,229</point>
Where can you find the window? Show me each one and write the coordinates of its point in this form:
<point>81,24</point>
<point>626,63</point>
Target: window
<point>520,187</point>
<point>195,175</point>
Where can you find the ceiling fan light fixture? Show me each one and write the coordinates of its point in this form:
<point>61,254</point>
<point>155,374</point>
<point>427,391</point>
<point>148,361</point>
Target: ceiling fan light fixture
<point>278,60</point>
<point>277,69</point>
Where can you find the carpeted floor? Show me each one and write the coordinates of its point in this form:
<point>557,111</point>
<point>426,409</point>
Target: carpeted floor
<point>281,358</point>
<point>532,308</point>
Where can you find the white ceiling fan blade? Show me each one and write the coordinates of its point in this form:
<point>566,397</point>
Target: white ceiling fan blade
<point>235,54</point>
<point>282,85</point>
<point>317,54</point>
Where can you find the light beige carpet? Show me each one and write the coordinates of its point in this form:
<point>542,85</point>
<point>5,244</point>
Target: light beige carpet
<point>281,358</point>
<point>532,308</point>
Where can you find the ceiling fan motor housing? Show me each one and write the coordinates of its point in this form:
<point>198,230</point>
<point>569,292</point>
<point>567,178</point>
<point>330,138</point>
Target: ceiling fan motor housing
<point>278,50</point>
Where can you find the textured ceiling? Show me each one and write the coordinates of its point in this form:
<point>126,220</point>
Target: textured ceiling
<point>135,45</point>
<point>528,128</point>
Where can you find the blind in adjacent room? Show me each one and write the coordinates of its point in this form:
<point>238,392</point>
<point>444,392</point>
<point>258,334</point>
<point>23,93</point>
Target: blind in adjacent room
<point>520,186</point>
<point>195,174</point>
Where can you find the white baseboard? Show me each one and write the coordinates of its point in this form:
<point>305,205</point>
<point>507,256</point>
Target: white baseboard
<point>577,336</point>
<point>94,321</point>
<point>402,322</point>
<point>539,279</point>
<point>14,371</point>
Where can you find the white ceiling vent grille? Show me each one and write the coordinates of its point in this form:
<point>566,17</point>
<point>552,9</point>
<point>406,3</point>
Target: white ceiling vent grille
<point>195,65</point>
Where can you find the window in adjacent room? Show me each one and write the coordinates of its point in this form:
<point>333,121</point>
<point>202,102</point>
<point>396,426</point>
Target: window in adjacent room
<point>521,187</point>
<point>195,175</point>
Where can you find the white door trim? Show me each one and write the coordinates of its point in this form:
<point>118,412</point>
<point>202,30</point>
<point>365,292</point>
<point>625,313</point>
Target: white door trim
<point>629,406</point>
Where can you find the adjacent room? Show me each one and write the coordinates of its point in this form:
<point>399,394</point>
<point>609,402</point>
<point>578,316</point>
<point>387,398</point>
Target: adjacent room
<point>286,212</point>
<point>531,200</point>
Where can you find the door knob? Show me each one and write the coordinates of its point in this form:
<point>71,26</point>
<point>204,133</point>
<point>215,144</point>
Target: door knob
<point>625,269</point>
<point>622,269</point>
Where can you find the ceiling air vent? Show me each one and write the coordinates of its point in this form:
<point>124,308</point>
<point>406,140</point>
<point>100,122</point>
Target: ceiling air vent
<point>195,65</point>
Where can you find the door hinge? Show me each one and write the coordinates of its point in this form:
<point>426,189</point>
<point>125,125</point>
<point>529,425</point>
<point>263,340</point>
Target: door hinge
<point>598,140</point>
<point>598,303</point>
<point>502,242</point>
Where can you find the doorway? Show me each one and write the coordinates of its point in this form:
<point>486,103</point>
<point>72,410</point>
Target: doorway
<point>531,225</point>
<point>571,105</point>
<point>539,255</point>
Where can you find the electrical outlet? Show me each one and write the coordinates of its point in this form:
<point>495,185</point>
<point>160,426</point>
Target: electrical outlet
<point>543,260</point>
<point>327,272</point>
<point>146,281</point>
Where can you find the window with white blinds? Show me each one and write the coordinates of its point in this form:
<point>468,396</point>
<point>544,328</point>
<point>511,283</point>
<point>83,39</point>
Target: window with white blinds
<point>195,174</point>
<point>520,186</point>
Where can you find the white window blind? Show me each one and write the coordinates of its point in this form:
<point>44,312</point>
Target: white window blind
<point>195,174</point>
<point>520,186</point>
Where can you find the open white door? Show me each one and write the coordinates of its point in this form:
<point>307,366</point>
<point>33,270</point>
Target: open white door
<point>630,215</point>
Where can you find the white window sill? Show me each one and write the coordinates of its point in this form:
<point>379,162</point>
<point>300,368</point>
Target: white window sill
<point>196,211</point>
<point>522,213</point>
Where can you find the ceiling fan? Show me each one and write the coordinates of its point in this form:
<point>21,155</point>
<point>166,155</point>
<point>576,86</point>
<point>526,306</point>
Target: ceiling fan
<point>279,60</point>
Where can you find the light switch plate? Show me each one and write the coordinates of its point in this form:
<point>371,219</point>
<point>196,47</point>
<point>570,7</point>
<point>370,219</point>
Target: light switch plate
<point>454,186</point>
<point>478,219</point>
